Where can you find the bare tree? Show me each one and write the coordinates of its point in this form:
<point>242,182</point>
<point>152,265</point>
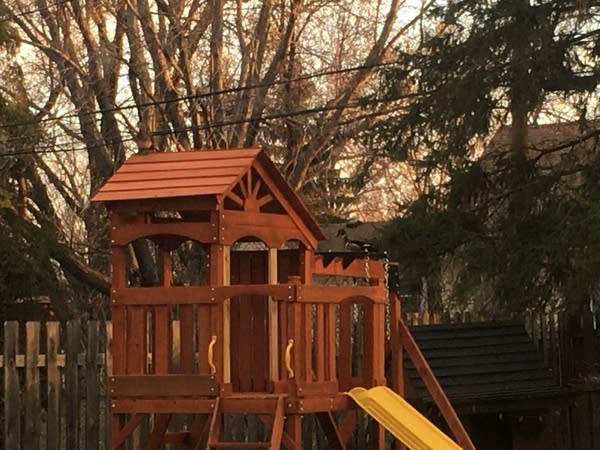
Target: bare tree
<point>102,75</point>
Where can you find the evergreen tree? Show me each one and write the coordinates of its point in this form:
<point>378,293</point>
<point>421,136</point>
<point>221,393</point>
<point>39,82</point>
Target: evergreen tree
<point>520,227</point>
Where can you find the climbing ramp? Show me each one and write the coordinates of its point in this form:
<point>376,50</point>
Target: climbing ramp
<point>401,419</point>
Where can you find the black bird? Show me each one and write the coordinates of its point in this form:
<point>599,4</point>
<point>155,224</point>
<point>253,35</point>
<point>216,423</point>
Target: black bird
<point>352,223</point>
<point>356,245</point>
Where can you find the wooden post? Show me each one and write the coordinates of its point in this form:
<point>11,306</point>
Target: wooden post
<point>53,389</point>
<point>92,401</point>
<point>434,388</point>
<point>273,320</point>
<point>72,384</point>
<point>12,397</point>
<point>226,265</point>
<point>32,386</point>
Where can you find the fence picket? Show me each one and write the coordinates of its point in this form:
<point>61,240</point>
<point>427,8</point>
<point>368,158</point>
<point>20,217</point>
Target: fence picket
<point>92,382</point>
<point>12,398</point>
<point>72,385</point>
<point>32,386</point>
<point>78,415</point>
<point>53,389</point>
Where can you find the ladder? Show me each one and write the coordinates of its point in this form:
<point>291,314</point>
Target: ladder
<point>274,419</point>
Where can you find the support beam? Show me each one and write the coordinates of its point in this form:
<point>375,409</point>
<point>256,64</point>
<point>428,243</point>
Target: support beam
<point>273,320</point>
<point>434,388</point>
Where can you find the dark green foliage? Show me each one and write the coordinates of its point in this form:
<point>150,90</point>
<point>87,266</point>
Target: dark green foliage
<point>515,234</point>
<point>25,269</point>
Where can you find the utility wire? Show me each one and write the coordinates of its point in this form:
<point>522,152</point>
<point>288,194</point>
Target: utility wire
<point>201,95</point>
<point>9,16</point>
<point>51,149</point>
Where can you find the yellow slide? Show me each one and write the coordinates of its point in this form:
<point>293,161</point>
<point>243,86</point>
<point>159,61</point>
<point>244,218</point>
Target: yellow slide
<point>401,419</point>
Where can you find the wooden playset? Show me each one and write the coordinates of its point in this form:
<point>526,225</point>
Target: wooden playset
<point>258,334</point>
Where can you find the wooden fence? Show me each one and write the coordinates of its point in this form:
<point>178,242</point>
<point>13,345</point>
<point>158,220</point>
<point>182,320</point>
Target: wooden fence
<point>54,393</point>
<point>53,379</point>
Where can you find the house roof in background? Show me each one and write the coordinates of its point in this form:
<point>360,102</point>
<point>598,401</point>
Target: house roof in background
<point>485,363</point>
<point>558,140</point>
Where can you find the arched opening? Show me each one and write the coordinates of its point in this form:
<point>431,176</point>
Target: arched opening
<point>249,318</point>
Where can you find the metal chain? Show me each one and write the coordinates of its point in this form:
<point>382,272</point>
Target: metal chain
<point>388,309</point>
<point>367,272</point>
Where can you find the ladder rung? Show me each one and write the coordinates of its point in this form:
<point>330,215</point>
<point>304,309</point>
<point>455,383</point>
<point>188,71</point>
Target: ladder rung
<point>240,444</point>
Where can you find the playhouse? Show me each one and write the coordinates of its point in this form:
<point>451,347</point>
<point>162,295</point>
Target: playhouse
<point>257,334</point>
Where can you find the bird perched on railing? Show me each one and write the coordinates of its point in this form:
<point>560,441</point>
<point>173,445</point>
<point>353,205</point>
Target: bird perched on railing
<point>354,244</point>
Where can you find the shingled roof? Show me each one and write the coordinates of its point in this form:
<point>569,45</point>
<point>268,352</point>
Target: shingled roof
<point>486,366</point>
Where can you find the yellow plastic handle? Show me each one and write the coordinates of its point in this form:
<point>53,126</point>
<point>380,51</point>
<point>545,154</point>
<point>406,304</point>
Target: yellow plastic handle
<point>211,355</point>
<point>288,358</point>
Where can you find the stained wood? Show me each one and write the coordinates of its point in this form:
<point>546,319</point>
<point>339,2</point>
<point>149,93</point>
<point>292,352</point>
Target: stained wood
<point>345,345</point>
<point>122,209</point>
<point>183,405</point>
<point>224,321</point>
<point>277,427</point>
<point>319,342</point>
<point>272,237</point>
<point>72,384</point>
<point>53,386</point>
<point>120,433</point>
<point>92,381</point>
<point>181,295</point>
<point>12,390</point>
<point>291,203</point>
<point>157,435</point>
<point>356,268</point>
<point>330,338</point>
<point>136,340</point>
<point>172,385</point>
<point>336,294</point>
<point>161,339</point>
<point>198,231</point>
<point>307,341</point>
<point>186,338</point>
<point>142,192</point>
<point>204,333</point>
<point>330,428</point>
<point>31,437</point>
<point>249,324</point>
<point>273,320</point>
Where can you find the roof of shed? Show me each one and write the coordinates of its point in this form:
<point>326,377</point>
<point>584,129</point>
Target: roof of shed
<point>484,362</point>
<point>162,175</point>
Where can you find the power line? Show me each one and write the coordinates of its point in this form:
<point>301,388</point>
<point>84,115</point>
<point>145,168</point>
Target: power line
<point>201,95</point>
<point>261,118</point>
<point>12,16</point>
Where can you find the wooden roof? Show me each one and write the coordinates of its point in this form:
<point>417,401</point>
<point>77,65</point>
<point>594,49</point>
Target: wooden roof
<point>163,175</point>
<point>176,174</point>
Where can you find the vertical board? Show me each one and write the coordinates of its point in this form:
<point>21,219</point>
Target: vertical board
<point>186,338</point>
<point>72,385</point>
<point>92,383</point>
<point>330,342</point>
<point>320,342</point>
<point>31,438</point>
<point>161,339</point>
<point>53,386</point>
<point>273,320</point>
<point>12,390</point>
<point>249,324</point>
<point>136,340</point>
<point>345,345</point>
